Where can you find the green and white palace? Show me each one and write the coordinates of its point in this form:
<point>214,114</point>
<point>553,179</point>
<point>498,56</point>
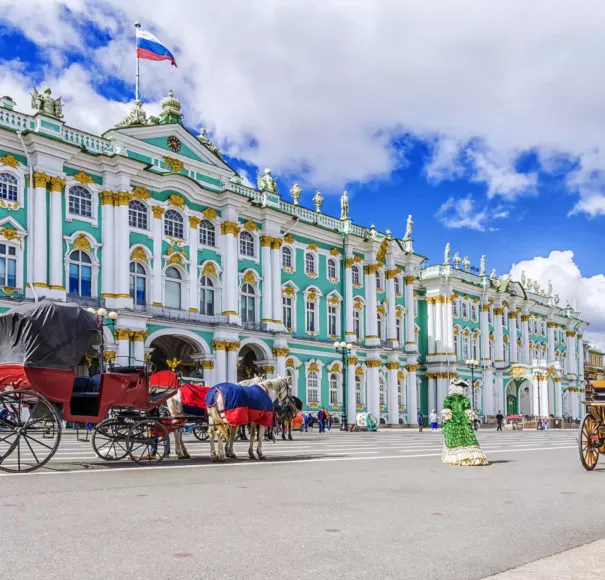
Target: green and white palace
<point>149,220</point>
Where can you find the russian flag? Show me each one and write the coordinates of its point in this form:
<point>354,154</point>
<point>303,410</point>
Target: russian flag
<point>150,48</point>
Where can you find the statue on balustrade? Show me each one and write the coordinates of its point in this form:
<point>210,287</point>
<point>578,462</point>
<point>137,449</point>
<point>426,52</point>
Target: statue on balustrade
<point>408,229</point>
<point>266,182</point>
<point>46,104</point>
<point>344,205</point>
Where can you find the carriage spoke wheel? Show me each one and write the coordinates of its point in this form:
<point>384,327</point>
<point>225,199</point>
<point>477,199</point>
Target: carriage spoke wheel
<point>110,439</point>
<point>589,442</point>
<point>201,433</point>
<point>30,431</point>
<point>148,442</point>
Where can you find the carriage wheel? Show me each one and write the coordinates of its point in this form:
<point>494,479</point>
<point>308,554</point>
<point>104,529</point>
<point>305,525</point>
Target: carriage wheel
<point>110,439</point>
<point>148,442</point>
<point>30,431</point>
<point>201,433</point>
<point>589,442</point>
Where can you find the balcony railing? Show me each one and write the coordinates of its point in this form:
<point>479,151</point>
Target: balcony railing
<point>86,301</point>
<point>176,314</point>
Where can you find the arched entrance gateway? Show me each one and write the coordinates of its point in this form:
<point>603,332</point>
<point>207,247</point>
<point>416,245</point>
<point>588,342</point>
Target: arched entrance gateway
<point>519,397</point>
<point>185,350</point>
<point>254,358</point>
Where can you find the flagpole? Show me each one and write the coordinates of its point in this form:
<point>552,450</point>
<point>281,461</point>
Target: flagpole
<point>137,25</point>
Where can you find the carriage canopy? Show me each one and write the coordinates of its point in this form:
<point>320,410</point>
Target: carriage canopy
<point>47,334</point>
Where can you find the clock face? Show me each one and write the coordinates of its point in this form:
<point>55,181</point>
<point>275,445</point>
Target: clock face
<point>174,144</point>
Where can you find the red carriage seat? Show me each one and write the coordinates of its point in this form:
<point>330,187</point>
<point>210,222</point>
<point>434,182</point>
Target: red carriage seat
<point>163,381</point>
<point>193,398</point>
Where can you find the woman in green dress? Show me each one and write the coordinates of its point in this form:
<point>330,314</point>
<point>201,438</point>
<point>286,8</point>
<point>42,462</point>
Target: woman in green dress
<point>461,446</point>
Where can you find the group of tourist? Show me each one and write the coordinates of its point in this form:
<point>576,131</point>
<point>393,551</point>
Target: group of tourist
<point>323,419</point>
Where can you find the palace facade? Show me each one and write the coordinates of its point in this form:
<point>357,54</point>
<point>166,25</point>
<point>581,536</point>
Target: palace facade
<point>227,280</point>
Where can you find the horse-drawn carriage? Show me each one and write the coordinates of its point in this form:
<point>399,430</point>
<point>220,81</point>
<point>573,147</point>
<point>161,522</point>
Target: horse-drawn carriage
<point>592,428</point>
<point>40,346</point>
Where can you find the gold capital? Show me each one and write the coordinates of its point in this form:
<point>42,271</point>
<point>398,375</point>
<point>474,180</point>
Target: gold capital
<point>157,211</point>
<point>392,366</point>
<point>218,345</point>
<point>121,198</point>
<point>411,368</point>
<point>373,364</point>
<point>208,364</point>
<point>410,279</point>
<point>281,351</point>
<point>57,184</point>
<point>265,241</point>
<point>41,179</point>
<point>106,197</point>
<point>230,228</point>
<point>194,222</point>
<point>276,243</point>
<point>232,346</point>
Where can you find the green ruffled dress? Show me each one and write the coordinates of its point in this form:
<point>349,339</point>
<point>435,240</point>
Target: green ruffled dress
<point>461,446</point>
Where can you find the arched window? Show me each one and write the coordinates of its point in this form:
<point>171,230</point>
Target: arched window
<point>8,266</point>
<point>80,273</point>
<point>137,214</point>
<point>138,283</point>
<point>355,275</point>
<point>333,389</point>
<point>8,187</point>
<point>466,346</point>
<point>382,391</point>
<point>464,309</point>
<point>207,234</point>
<point>173,288</point>
<point>287,307</point>
<point>290,373</point>
<point>310,263</point>
<point>80,201</point>
<point>358,391</point>
<point>332,269</point>
<point>246,244</point>
<point>456,308</point>
<point>286,257</point>
<point>248,303</point>
<point>207,296</point>
<point>397,281</point>
<point>311,311</point>
<point>312,388</point>
<point>173,224</point>
<point>401,392</point>
<point>332,319</point>
<point>474,312</point>
<point>457,348</point>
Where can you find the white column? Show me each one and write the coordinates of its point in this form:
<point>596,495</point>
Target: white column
<point>371,314</point>
<point>280,353</point>
<point>350,335</point>
<point>40,264</point>
<point>558,397</point>
<point>232,348</point>
<point>220,362</point>
<point>439,347</point>
<point>551,342</point>
<point>448,305</point>
<point>412,397</point>
<point>208,366</point>
<point>430,323</point>
<point>490,381</point>
<point>351,402</point>
<point>108,235</point>
<point>580,356</point>
<point>267,299</point>
<point>123,336</point>
<point>484,325</point>
<point>391,328</point>
<point>230,231</point>
<point>495,396</point>
<point>498,336</point>
<point>276,245</point>
<point>373,402</point>
<point>442,389</point>
<point>432,386</point>
<point>393,401</point>
<point>139,348</point>
<point>121,256</point>
<point>512,336</point>
<point>525,338</point>
<point>410,317</point>
<point>157,232</point>
<point>194,287</point>
<point>56,236</point>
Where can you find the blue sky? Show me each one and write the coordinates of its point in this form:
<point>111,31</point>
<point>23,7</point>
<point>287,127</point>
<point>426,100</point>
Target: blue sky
<point>471,119</point>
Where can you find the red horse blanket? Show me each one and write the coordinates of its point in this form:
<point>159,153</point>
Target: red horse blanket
<point>193,398</point>
<point>242,405</point>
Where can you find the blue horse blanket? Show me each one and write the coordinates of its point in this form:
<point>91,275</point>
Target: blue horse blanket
<point>242,405</point>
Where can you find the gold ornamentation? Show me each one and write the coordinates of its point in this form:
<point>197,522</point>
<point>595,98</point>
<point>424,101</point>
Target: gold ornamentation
<point>81,243</point>
<point>268,370</point>
<point>41,179</point>
<point>349,262</point>
<point>335,252</point>
<point>313,367</point>
<point>141,193</point>
<point>249,277</point>
<point>358,259</point>
<point>219,345</point>
<point>250,226</point>
<point>290,364</point>
<point>232,346</point>
<point>312,275</point>
<point>8,290</point>
<point>210,214</point>
<point>280,351</point>
<point>157,211</point>
<point>312,246</point>
<point>373,364</point>
<point>333,300</point>
<point>109,355</point>
<point>359,372</point>
<point>139,253</point>
<point>123,334</point>
<point>230,228</point>
<point>194,222</point>
<point>498,311</point>
<point>381,309</point>
<point>207,365</point>
<point>410,279</point>
<point>288,291</point>
<point>412,368</point>
<point>382,250</point>
<point>140,335</point>
<point>175,165</point>
<point>392,366</point>
<point>353,360</point>
<point>311,295</point>
<point>173,363</point>
<point>83,178</point>
<point>176,200</point>
<point>9,161</point>
<point>8,205</point>
<point>209,269</point>
<point>392,274</point>
<point>121,198</point>
<point>525,317</point>
<point>106,197</point>
<point>357,304</point>
<point>57,184</point>
<point>40,285</point>
<point>333,281</point>
<point>580,336</point>
<point>371,268</point>
<point>265,241</point>
<point>289,239</point>
<point>10,234</point>
<point>276,243</point>
<point>176,258</point>
<point>400,377</point>
<point>570,333</point>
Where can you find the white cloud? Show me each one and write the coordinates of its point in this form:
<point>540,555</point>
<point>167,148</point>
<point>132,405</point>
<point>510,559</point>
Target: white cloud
<point>325,85</point>
<point>586,293</point>
<point>464,213</point>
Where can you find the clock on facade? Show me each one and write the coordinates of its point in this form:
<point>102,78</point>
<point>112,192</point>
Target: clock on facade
<point>174,143</point>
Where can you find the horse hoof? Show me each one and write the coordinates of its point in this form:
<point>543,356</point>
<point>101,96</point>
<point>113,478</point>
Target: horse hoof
<point>262,457</point>
<point>214,459</point>
<point>251,456</point>
<point>290,438</point>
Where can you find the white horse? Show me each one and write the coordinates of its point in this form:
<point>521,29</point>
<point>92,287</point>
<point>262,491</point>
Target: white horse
<point>175,408</point>
<point>278,390</point>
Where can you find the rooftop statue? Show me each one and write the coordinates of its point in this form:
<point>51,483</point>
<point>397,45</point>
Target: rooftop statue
<point>523,278</point>
<point>408,229</point>
<point>266,182</point>
<point>466,264</point>
<point>482,272</point>
<point>137,116</point>
<point>447,253</point>
<point>318,200</point>
<point>457,260</point>
<point>46,104</point>
<point>344,205</point>
<point>372,235</point>
<point>549,288</point>
<point>203,138</point>
<point>295,192</point>
<point>493,276</point>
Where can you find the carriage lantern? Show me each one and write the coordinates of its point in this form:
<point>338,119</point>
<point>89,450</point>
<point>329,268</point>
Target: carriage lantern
<point>101,314</point>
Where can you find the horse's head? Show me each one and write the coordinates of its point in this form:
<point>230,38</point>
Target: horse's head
<point>280,388</point>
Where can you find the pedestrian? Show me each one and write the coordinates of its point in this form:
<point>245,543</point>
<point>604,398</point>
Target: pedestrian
<point>433,420</point>
<point>328,420</point>
<point>420,419</point>
<point>499,419</point>
<point>321,417</point>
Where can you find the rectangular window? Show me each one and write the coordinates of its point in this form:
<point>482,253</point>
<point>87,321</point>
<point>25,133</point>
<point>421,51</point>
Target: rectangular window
<point>287,308</point>
<point>332,320</point>
<point>398,330</point>
<point>358,398</point>
<point>333,391</point>
<point>8,266</point>
<point>310,316</point>
<point>357,324</point>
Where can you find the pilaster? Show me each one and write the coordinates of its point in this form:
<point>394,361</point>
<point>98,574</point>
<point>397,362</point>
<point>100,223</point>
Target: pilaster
<point>410,305</point>
<point>412,394</point>
<point>512,336</point>
<point>57,289</point>
<point>373,402</point>
<point>393,400</point>
<point>229,233</point>
<point>40,225</point>
<point>276,244</point>
<point>194,287</point>
<point>220,354</point>
<point>267,270</point>
<point>350,335</point>
<point>158,214</point>
<point>371,338</point>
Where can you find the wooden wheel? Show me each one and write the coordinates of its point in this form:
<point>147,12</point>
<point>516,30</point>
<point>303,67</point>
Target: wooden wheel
<point>589,442</point>
<point>148,442</point>
<point>30,431</point>
<point>110,439</point>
